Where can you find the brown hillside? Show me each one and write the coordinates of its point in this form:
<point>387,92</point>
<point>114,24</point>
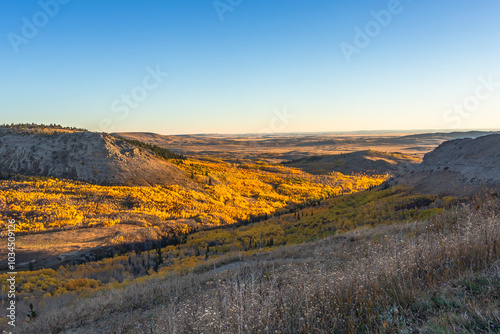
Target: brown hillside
<point>458,167</point>
<point>96,158</point>
<point>367,162</point>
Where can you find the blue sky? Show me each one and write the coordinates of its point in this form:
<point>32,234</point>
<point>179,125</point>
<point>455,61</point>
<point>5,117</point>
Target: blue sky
<point>238,66</point>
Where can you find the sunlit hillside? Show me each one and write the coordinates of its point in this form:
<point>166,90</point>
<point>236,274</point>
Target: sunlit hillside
<point>434,269</point>
<point>228,193</point>
<point>215,247</point>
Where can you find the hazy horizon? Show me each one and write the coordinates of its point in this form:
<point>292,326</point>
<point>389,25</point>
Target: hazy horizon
<point>357,132</point>
<point>346,132</point>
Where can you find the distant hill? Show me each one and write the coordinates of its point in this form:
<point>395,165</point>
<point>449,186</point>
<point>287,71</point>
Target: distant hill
<point>459,167</point>
<point>367,162</point>
<point>446,135</point>
<point>96,158</point>
<point>277,148</point>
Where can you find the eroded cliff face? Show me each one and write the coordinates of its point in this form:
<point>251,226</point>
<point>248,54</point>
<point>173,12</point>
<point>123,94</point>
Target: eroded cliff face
<point>476,159</point>
<point>85,156</point>
<point>457,167</point>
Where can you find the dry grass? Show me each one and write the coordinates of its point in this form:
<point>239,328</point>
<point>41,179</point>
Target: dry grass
<point>380,280</point>
<point>469,304</point>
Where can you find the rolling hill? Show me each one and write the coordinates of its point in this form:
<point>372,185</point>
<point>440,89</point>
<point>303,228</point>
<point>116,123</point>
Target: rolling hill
<point>459,167</point>
<point>368,162</point>
<point>96,158</point>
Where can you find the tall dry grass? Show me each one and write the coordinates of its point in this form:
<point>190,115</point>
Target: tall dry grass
<point>367,281</point>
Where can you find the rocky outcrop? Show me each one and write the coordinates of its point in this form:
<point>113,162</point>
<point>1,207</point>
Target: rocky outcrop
<point>475,159</point>
<point>96,158</point>
<point>458,167</point>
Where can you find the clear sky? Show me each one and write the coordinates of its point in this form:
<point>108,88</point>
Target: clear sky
<point>238,66</point>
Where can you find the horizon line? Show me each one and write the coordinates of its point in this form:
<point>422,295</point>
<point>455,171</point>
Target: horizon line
<point>413,131</point>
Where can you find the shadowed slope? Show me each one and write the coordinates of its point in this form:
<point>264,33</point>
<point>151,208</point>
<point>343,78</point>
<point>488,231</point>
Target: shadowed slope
<point>459,167</point>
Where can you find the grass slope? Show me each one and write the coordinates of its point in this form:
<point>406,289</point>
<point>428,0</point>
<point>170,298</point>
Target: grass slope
<point>437,274</point>
<point>372,162</point>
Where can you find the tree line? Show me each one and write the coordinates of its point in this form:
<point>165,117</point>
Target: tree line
<point>157,150</point>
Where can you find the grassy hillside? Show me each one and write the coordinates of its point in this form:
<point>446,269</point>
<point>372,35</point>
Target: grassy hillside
<point>320,220</point>
<point>206,250</point>
<point>372,162</point>
<point>435,275</point>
